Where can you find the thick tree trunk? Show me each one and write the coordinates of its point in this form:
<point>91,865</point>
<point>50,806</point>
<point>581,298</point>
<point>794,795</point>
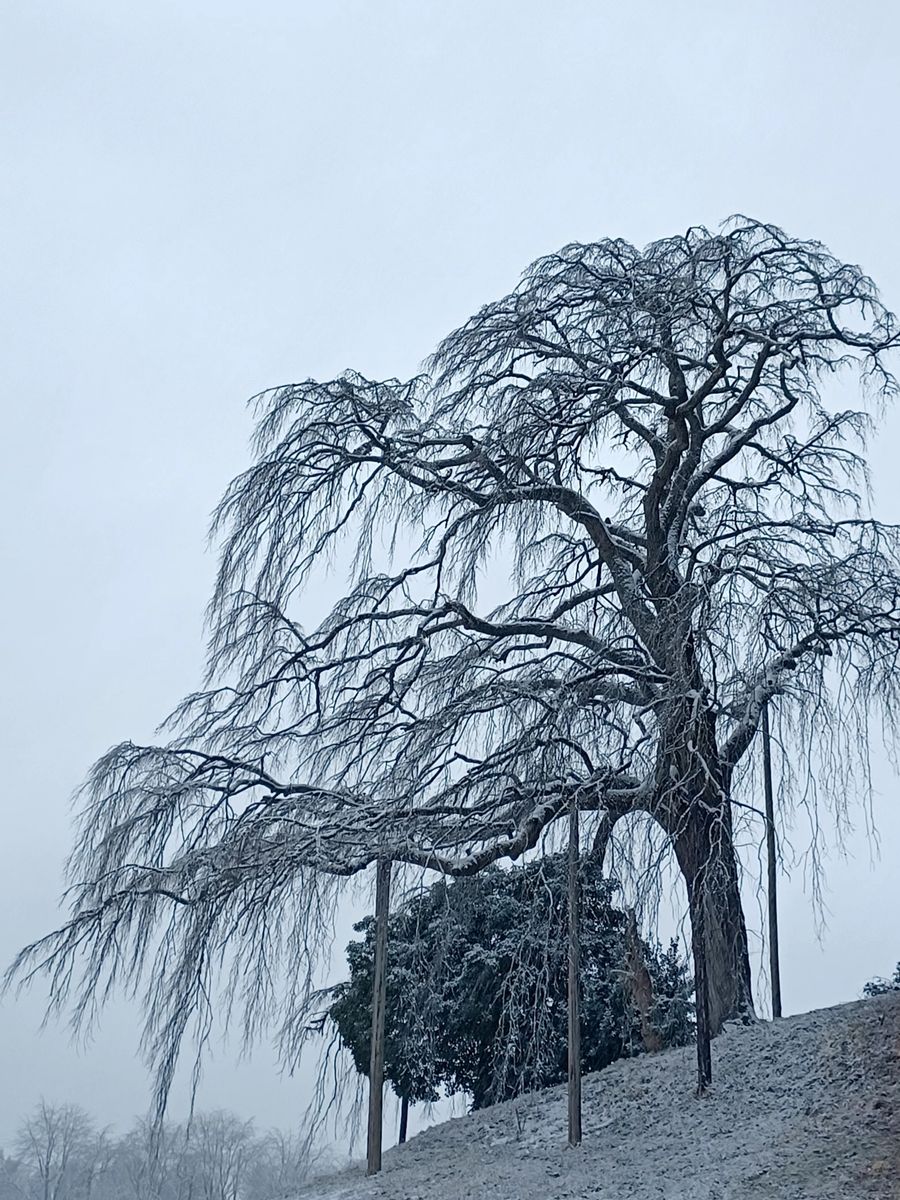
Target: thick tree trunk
<point>404,1119</point>
<point>695,809</point>
<point>697,837</point>
<point>705,852</point>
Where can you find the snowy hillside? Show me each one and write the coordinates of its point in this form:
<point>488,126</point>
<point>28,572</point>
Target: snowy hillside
<point>806,1109</point>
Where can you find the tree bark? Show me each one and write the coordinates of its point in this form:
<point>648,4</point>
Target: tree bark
<point>726,958</point>
<point>705,853</point>
<point>376,1059</point>
<point>639,983</point>
<point>404,1119</point>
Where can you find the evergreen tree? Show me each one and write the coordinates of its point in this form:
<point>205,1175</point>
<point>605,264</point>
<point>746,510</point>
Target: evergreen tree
<point>476,985</point>
<point>879,986</point>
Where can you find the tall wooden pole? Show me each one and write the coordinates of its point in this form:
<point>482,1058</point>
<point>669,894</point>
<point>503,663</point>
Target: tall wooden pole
<point>772,855</point>
<point>701,980</point>
<point>379,989</point>
<point>574,981</point>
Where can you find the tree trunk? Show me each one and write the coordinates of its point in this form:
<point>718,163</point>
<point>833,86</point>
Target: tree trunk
<point>404,1119</point>
<point>639,983</point>
<point>701,835</point>
<point>705,852</point>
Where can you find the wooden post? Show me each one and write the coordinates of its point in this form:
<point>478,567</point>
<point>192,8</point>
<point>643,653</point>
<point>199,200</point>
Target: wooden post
<point>574,981</point>
<point>772,855</point>
<point>379,988</point>
<point>404,1119</point>
<point>701,981</point>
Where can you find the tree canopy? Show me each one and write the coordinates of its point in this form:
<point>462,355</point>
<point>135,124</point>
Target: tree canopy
<point>623,507</point>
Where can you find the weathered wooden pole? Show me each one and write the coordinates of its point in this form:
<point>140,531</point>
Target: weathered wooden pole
<point>772,855</point>
<point>701,980</point>
<point>379,989</point>
<point>574,980</point>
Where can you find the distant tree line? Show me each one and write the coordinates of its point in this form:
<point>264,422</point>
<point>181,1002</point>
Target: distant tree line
<point>59,1153</point>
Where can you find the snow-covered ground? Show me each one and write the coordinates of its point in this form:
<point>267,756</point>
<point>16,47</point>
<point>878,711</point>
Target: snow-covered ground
<point>805,1109</point>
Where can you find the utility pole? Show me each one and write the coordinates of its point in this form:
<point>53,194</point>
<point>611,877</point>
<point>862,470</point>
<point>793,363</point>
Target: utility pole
<point>701,980</point>
<point>574,979</point>
<point>379,991</point>
<point>771,854</point>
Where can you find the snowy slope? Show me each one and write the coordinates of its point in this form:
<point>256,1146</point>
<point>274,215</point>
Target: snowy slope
<point>806,1109</point>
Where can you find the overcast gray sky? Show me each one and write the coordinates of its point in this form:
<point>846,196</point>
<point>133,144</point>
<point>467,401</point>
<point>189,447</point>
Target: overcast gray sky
<point>203,199</point>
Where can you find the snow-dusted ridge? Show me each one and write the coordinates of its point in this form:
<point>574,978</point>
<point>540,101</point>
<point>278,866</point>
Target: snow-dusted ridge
<point>807,1108</point>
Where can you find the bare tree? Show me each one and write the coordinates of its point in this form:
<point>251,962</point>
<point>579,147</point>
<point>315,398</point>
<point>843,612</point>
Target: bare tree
<point>57,1144</point>
<point>94,1163</point>
<point>649,455</point>
<point>214,1156</point>
<point>137,1153</point>
<point>11,1178</point>
<point>281,1165</point>
<point>211,1156</point>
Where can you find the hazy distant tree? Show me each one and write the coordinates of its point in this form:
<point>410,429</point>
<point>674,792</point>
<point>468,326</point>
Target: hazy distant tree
<point>624,508</point>
<point>55,1146</point>
<point>10,1178</point>
<point>146,1164</point>
<point>214,1156</point>
<point>94,1162</point>
<point>279,1168</point>
<point>216,1153</point>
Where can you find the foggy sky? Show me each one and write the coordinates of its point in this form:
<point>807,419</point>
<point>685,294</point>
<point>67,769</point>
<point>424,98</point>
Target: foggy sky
<point>204,199</point>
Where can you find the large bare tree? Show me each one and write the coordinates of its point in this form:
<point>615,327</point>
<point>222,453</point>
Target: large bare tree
<point>624,507</point>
